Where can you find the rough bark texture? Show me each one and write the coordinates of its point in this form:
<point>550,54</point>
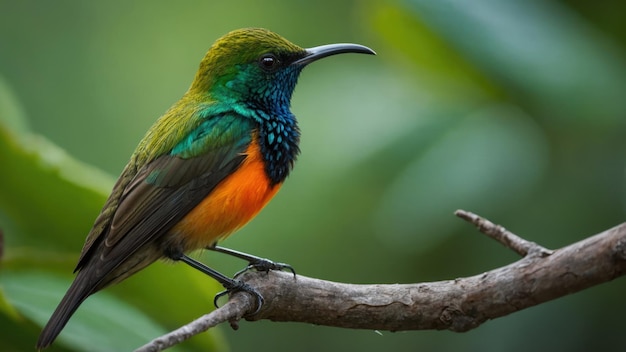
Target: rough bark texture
<point>458,305</point>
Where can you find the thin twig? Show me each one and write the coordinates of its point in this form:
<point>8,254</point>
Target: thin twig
<point>502,235</point>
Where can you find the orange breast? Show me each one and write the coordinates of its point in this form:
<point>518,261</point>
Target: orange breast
<point>234,202</point>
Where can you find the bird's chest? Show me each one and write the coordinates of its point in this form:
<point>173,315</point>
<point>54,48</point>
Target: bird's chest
<point>234,202</point>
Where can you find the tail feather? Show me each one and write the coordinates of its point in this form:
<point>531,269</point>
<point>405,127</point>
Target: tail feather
<point>97,274</point>
<point>75,295</point>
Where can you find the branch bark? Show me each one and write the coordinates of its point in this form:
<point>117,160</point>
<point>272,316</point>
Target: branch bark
<point>458,305</point>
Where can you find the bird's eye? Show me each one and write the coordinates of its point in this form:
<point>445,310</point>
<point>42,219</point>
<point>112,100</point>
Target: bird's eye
<point>268,62</point>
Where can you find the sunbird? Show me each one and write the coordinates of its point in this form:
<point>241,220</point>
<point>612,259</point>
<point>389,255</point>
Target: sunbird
<point>203,170</point>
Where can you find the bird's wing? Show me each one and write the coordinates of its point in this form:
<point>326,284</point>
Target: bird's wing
<point>164,190</point>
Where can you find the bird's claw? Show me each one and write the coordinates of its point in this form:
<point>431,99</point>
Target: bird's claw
<point>265,265</point>
<point>236,286</point>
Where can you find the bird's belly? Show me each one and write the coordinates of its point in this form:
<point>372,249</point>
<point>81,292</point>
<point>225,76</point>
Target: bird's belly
<point>234,202</point>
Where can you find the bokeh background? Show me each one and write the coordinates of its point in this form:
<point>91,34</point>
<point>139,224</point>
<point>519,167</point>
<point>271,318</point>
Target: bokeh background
<point>512,109</point>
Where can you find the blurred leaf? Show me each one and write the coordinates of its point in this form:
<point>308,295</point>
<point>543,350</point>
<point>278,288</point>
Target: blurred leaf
<point>437,63</point>
<point>6,308</point>
<point>540,47</point>
<point>43,182</point>
<point>501,155</point>
<point>103,322</point>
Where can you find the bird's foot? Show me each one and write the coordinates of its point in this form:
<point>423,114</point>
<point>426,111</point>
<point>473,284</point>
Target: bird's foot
<point>235,286</point>
<point>231,285</point>
<point>254,262</point>
<point>265,265</point>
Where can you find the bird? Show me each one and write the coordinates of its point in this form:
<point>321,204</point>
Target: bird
<point>205,168</point>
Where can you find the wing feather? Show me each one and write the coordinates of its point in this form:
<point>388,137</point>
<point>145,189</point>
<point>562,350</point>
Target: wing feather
<point>147,205</point>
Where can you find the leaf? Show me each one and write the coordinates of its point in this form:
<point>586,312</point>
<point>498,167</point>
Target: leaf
<point>540,47</point>
<point>40,181</point>
<point>6,307</point>
<point>126,327</point>
<point>439,65</point>
<point>492,159</point>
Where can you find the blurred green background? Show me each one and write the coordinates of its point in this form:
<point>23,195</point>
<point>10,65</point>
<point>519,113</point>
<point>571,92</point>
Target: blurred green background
<point>514,110</point>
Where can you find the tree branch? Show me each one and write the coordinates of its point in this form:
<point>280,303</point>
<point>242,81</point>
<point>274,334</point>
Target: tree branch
<point>458,305</point>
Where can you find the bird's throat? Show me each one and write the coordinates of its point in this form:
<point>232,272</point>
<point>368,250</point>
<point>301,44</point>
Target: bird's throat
<point>279,138</point>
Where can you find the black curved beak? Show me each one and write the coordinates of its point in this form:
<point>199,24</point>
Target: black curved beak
<point>322,51</point>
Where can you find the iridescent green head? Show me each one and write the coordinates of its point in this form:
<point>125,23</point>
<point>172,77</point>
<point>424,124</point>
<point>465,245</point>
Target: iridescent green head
<point>253,72</point>
<point>258,67</point>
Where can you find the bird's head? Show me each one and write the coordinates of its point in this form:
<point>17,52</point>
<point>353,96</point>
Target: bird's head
<point>258,67</point>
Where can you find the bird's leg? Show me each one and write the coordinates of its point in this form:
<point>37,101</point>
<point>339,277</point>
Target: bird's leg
<point>229,284</point>
<point>254,262</point>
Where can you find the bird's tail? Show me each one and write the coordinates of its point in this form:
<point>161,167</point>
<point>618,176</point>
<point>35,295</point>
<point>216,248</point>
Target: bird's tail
<point>75,295</point>
<point>93,276</point>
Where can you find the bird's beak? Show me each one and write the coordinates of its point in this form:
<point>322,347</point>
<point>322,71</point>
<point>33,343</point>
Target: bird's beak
<point>322,51</point>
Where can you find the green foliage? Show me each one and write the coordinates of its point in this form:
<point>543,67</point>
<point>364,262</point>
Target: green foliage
<point>510,109</point>
<point>102,313</point>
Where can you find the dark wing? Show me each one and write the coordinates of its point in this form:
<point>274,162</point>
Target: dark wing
<point>166,189</point>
